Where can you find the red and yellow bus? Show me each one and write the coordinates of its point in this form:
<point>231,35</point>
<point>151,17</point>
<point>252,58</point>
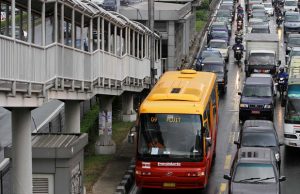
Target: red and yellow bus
<point>177,131</point>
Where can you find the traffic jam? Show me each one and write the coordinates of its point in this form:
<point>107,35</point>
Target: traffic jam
<point>253,48</point>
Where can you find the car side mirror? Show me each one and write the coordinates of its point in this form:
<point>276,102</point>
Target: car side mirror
<point>246,62</point>
<point>280,144</point>
<point>239,93</point>
<point>236,143</point>
<point>227,177</point>
<point>282,178</point>
<point>208,141</point>
<point>226,71</point>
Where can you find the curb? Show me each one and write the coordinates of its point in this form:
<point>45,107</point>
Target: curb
<point>128,179</point>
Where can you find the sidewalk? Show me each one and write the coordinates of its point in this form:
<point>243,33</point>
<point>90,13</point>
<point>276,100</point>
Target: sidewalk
<point>114,171</point>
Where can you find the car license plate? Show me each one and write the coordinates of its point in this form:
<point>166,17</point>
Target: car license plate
<point>255,112</point>
<point>170,185</point>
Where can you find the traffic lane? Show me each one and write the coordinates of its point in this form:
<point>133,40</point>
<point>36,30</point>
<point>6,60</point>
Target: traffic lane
<point>228,132</point>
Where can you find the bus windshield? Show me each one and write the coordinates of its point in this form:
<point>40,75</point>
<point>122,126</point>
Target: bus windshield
<point>292,112</point>
<point>171,136</point>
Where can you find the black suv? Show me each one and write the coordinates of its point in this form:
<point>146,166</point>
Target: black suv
<point>217,66</point>
<point>260,133</point>
<point>257,99</point>
<point>254,170</point>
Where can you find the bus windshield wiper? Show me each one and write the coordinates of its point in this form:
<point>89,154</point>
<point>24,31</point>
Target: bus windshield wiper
<point>247,179</point>
<point>264,179</point>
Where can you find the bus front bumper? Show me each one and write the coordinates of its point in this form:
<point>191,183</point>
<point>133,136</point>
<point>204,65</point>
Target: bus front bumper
<point>171,183</point>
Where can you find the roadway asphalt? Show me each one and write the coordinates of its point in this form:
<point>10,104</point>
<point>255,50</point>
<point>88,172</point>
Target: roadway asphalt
<point>229,130</point>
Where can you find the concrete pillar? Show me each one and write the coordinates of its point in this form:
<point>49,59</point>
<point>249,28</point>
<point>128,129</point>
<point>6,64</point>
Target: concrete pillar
<point>105,144</point>
<point>21,151</point>
<point>128,113</point>
<point>171,46</point>
<point>72,116</point>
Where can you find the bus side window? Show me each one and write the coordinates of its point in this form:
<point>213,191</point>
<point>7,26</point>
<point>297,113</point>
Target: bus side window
<point>214,103</point>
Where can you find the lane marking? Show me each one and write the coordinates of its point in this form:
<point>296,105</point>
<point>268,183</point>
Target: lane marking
<point>227,162</point>
<point>222,188</point>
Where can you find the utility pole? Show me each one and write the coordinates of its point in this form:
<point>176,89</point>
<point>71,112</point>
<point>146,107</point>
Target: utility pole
<point>152,43</point>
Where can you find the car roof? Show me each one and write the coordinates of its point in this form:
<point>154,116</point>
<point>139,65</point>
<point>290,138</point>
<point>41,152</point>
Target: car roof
<point>291,13</point>
<point>258,81</point>
<point>258,123</point>
<point>260,75</point>
<point>218,40</point>
<point>218,23</point>
<point>260,26</point>
<point>295,48</point>
<point>294,36</point>
<point>213,60</point>
<point>256,154</point>
<point>211,51</point>
<point>258,129</point>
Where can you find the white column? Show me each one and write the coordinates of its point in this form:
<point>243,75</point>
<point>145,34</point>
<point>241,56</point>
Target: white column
<point>13,18</point>
<point>121,41</point>
<point>98,33</point>
<point>21,151</point>
<point>55,22</point>
<point>102,34</point>
<point>142,46</point>
<point>129,42</point>
<point>72,116</point>
<point>73,28</point>
<point>29,34</point>
<point>127,107</point>
<point>109,39</point>
<point>126,40</point>
<point>91,46</point>
<point>62,28</point>
<point>133,45</point>
<point>138,45</point>
<point>81,32</point>
<point>115,39</point>
<point>43,24</point>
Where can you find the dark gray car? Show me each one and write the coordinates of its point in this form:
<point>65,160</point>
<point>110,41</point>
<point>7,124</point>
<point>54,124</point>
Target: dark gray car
<point>254,170</point>
<point>218,66</point>
<point>260,133</point>
<point>293,40</point>
<point>257,99</point>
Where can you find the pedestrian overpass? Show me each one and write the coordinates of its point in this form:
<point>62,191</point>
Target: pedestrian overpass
<point>69,50</point>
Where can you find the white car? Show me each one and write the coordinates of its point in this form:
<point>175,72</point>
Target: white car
<point>290,5</point>
<point>269,9</point>
<point>220,45</point>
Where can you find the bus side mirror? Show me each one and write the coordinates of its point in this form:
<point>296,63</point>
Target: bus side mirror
<point>236,143</point>
<point>227,177</point>
<point>282,178</point>
<point>131,135</point>
<point>208,141</point>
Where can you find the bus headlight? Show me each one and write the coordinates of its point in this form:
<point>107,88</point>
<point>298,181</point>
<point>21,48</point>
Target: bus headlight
<point>244,105</point>
<point>268,106</point>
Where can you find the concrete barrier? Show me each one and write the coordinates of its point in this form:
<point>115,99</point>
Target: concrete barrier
<point>127,181</point>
